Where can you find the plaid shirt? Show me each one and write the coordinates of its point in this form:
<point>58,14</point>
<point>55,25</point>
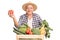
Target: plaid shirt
<point>35,23</point>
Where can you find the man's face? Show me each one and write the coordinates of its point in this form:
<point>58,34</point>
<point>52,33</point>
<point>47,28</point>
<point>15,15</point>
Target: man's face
<point>29,9</point>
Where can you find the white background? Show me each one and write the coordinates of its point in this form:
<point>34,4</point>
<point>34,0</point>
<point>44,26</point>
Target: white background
<point>47,9</point>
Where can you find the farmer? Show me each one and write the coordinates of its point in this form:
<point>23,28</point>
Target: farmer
<point>32,19</point>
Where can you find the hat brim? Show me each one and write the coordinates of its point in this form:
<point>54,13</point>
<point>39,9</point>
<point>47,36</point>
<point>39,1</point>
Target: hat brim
<point>26,4</point>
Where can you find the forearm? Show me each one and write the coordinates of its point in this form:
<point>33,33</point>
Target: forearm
<point>15,22</point>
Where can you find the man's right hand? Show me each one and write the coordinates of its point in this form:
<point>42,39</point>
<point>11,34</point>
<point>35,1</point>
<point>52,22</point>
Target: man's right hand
<point>11,13</point>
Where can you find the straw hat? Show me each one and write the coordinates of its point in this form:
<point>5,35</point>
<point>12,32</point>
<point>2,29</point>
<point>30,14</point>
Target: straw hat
<point>29,3</point>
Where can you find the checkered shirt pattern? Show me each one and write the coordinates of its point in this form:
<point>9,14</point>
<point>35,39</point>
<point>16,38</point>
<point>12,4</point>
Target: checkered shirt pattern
<point>35,23</point>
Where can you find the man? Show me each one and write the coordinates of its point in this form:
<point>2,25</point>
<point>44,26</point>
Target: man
<point>32,19</point>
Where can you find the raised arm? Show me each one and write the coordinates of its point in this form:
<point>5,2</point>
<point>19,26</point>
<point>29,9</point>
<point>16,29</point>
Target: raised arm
<point>11,14</point>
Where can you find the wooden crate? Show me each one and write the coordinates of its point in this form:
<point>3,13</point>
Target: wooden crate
<point>29,36</point>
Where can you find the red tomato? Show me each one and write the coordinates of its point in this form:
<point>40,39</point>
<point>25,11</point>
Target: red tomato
<point>10,11</point>
<point>28,31</point>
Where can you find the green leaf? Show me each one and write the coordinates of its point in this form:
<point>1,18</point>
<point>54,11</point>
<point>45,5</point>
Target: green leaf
<point>36,31</point>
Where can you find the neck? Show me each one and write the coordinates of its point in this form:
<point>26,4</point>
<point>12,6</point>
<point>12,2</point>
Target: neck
<point>29,15</point>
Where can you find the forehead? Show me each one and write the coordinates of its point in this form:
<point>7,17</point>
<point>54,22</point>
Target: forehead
<point>29,5</point>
